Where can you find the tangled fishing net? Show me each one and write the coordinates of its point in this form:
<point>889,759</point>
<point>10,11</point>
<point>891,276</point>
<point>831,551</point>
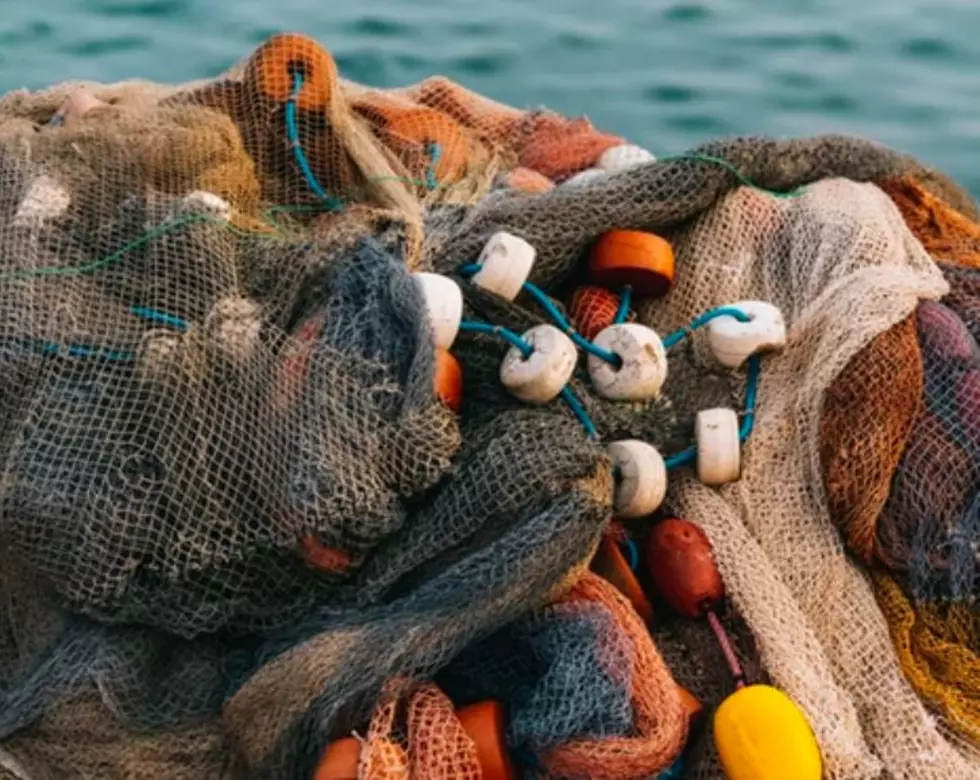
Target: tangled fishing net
<point>240,524</point>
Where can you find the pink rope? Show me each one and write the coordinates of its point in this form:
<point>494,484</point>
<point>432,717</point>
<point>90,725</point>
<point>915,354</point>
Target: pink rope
<point>727,649</point>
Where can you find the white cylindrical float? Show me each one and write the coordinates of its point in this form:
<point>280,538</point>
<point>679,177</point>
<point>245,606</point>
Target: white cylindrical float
<point>623,157</point>
<point>540,377</point>
<point>643,368</point>
<point>718,445</point>
<point>506,263</point>
<point>642,484</point>
<point>733,342</point>
<point>444,303</point>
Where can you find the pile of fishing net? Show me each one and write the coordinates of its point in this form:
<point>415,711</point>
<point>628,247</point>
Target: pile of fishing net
<point>251,520</point>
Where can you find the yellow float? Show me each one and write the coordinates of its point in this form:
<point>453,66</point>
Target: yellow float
<point>761,734</point>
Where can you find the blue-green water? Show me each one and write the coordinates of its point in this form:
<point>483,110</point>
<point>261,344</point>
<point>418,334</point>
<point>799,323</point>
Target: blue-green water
<point>667,73</point>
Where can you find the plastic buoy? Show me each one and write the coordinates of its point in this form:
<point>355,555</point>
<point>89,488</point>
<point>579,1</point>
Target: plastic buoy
<point>761,734</point>
<point>588,176</point>
<point>526,180</point>
<point>643,363</point>
<point>45,199</point>
<point>79,103</point>
<point>633,258</point>
<point>610,564</point>
<point>682,567</point>
<point>323,558</point>
<point>272,69</point>
<point>207,203</point>
<point>733,342</point>
<point>339,761</point>
<point>642,483</point>
<point>540,377</point>
<point>718,445</point>
<point>444,302</point>
<point>692,707</point>
<point>506,262</point>
<point>428,139</point>
<point>484,722</point>
<point>448,380</point>
<point>624,157</point>
<point>592,310</point>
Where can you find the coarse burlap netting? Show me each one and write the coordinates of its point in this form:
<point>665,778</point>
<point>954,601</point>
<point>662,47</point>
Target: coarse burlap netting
<point>237,523</point>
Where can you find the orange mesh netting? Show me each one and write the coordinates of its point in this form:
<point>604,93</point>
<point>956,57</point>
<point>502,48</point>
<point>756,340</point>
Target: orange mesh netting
<point>659,717</point>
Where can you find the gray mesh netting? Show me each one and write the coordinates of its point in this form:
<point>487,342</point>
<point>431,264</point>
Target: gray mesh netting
<point>238,523</point>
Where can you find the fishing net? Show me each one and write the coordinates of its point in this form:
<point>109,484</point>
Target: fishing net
<point>920,524</point>
<point>238,524</point>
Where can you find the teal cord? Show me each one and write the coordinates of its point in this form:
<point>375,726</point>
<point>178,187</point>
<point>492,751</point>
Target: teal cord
<point>435,154</point>
<point>559,319</point>
<point>74,350</point>
<point>292,132</point>
<point>754,369</point>
<point>624,305</point>
<point>699,322</point>
<point>154,315</point>
<point>567,394</point>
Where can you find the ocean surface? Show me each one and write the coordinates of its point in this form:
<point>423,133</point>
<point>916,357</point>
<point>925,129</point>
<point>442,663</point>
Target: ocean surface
<point>669,74</point>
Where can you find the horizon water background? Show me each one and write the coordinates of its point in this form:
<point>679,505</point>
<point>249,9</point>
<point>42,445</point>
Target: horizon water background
<point>669,74</point>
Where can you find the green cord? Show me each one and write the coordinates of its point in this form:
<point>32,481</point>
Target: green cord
<point>190,219</point>
<point>743,179</point>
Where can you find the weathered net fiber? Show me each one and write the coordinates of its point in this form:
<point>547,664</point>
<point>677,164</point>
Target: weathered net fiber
<point>237,523</point>
<point>921,521</point>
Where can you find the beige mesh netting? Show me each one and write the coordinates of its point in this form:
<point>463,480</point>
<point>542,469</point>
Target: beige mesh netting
<point>240,521</point>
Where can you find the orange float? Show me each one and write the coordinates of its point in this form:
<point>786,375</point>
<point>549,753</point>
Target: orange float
<point>448,380</point>
<point>526,180</point>
<point>682,567</point>
<point>643,261</point>
<point>339,760</point>
<point>484,723</point>
<point>692,706</point>
<point>412,132</point>
<point>320,556</point>
<point>610,564</point>
<point>592,310</point>
<point>271,70</point>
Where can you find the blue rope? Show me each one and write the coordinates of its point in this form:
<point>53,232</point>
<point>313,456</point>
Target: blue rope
<point>154,315</point>
<point>579,411</point>
<point>724,311</point>
<point>292,132</point>
<point>633,552</point>
<point>675,772</point>
<point>567,394</point>
<point>74,350</point>
<point>497,330</point>
<point>683,458</point>
<point>624,305</point>
<point>751,388</point>
<point>688,456</point>
<point>435,154</point>
<point>552,311</point>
